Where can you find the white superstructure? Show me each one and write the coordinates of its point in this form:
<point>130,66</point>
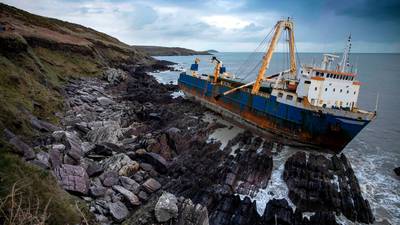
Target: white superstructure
<point>331,85</point>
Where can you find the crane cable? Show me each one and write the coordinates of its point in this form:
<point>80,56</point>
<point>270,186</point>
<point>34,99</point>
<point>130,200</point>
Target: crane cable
<point>241,69</point>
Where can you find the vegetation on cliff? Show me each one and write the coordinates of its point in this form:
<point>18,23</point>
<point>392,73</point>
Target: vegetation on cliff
<point>169,51</point>
<point>37,56</point>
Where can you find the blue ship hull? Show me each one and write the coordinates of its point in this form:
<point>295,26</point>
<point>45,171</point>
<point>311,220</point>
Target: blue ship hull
<point>319,128</point>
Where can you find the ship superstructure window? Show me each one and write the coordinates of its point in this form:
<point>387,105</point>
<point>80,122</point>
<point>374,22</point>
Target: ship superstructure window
<point>354,92</point>
<point>315,88</point>
<point>307,82</point>
<point>299,99</point>
<point>317,73</point>
<point>280,94</point>
<point>289,97</point>
<point>334,90</point>
<point>341,90</point>
<point>326,89</point>
<point>347,91</point>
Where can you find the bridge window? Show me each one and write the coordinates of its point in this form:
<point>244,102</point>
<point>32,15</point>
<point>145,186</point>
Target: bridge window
<point>326,89</point>
<point>280,94</point>
<point>315,88</point>
<point>307,82</point>
<point>334,90</point>
<point>289,97</point>
<point>341,90</point>
<point>299,99</point>
<point>354,92</point>
<point>317,73</point>
<point>322,74</point>
<point>347,91</point>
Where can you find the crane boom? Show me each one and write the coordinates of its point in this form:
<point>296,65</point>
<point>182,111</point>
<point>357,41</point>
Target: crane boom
<point>282,24</point>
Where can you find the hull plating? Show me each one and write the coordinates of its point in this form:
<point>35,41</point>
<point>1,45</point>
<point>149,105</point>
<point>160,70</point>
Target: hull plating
<point>266,113</point>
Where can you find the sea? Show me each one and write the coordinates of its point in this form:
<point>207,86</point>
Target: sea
<point>373,153</point>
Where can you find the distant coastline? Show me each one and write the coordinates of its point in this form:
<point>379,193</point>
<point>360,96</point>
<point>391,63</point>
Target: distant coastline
<point>171,51</point>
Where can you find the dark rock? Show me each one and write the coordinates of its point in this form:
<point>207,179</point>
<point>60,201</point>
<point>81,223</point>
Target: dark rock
<point>327,185</point>
<point>43,125</point>
<point>397,171</point>
<point>73,178</point>
<point>104,101</point>
<point>278,211</point>
<point>97,190</point>
<point>22,148</point>
<point>151,185</point>
<point>55,157</point>
<point>109,178</point>
<point>94,169</point>
<point>146,167</point>
<point>159,163</point>
<point>143,196</point>
<point>131,197</point>
<point>110,134</point>
<point>130,184</point>
<point>118,211</point>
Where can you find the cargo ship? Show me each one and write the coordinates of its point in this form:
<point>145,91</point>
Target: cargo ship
<point>314,105</point>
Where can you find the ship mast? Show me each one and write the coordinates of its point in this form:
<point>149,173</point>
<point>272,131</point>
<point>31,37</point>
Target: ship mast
<point>282,24</point>
<point>345,58</point>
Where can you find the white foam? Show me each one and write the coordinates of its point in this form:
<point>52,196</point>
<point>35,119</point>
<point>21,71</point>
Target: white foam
<point>276,188</point>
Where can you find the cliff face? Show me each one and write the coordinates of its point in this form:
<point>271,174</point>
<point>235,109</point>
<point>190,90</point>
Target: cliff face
<point>37,54</point>
<point>169,51</point>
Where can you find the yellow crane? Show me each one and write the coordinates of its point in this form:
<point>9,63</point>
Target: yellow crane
<point>218,65</point>
<point>281,25</point>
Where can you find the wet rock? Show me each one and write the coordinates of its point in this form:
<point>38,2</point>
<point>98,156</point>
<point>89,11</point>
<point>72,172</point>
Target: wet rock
<point>130,184</point>
<point>151,185</point>
<point>73,178</point>
<point>146,167</point>
<point>73,148</point>
<point>109,178</point>
<point>131,197</point>
<point>397,171</point>
<point>192,214</point>
<point>118,211</point>
<point>278,211</point>
<point>166,207</point>
<point>325,184</point>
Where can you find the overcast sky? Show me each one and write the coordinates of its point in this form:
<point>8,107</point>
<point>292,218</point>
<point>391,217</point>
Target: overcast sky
<point>239,25</point>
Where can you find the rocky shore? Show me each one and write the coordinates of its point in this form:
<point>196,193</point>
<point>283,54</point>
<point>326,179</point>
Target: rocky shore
<point>136,155</point>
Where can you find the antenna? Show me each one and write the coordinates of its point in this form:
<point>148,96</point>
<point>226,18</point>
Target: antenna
<point>376,103</point>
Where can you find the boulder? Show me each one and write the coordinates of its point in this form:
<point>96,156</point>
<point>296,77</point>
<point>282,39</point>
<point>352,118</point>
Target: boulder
<point>114,76</point>
<point>97,190</point>
<point>166,207</point>
<point>131,197</point>
<point>110,133</point>
<point>43,158</point>
<point>116,162</point>
<point>129,170</point>
<point>94,169</point>
<point>73,178</point>
<point>151,185</point>
<point>130,184</point>
<point>118,210</point>
<point>109,178</point>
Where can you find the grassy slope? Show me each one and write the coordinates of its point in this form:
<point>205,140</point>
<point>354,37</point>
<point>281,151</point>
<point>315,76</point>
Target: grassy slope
<point>37,56</point>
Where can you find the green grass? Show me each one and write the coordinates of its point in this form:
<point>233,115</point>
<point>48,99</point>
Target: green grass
<point>37,184</point>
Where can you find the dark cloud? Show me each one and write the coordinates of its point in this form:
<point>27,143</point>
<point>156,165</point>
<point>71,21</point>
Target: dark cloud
<point>368,9</point>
